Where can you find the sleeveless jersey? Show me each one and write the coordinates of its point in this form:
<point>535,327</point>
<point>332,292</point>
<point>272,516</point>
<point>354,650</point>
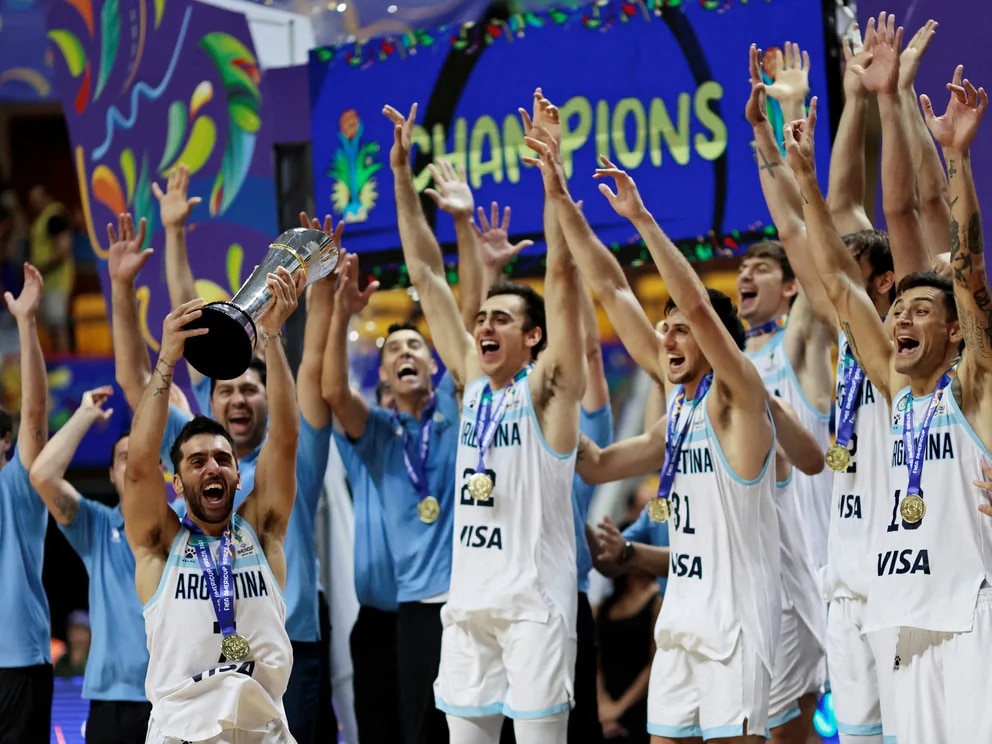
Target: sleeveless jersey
<point>194,693</point>
<point>861,503</point>
<point>927,575</point>
<point>812,492</point>
<point>724,576</point>
<point>514,554</point>
<point>800,586</point>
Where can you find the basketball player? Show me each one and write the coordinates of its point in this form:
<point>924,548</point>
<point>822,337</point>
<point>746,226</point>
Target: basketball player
<point>25,644</point>
<point>409,453</point>
<point>725,491</point>
<point>211,585</point>
<point>930,563</point>
<point>114,682</point>
<point>508,647</point>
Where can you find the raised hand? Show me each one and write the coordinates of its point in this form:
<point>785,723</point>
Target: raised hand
<point>552,170</point>
<point>857,53</point>
<point>626,202</point>
<point>881,76</point>
<point>755,111</point>
<point>909,60</point>
<point>126,256</point>
<point>799,145</point>
<point>545,124</point>
<point>349,299</point>
<point>494,238</point>
<point>25,307</point>
<point>174,205</point>
<point>93,400</point>
<point>330,255</point>
<point>792,81</point>
<point>399,154</point>
<point>956,129</point>
<point>453,194</point>
<point>328,228</point>
<point>175,332</point>
<point>285,297</point>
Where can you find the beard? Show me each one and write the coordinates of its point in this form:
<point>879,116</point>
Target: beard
<point>197,509</point>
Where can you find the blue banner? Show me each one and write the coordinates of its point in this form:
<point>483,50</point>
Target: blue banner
<point>660,93</point>
<point>25,67</point>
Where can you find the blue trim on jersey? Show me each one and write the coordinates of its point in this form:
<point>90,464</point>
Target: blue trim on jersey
<point>789,715</point>
<point>958,417</point>
<point>862,729</point>
<point>173,551</point>
<point>540,434</point>
<point>678,732</point>
<point>476,711</point>
<point>720,732</point>
<point>788,481</point>
<point>259,559</point>
<point>889,740</point>
<point>769,458</point>
<point>530,715</point>
<point>790,373</point>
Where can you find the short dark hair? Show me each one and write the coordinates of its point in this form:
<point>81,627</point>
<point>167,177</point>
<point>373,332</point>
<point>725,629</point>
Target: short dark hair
<point>194,427</point>
<point>396,328</point>
<point>6,422</point>
<point>772,249</point>
<point>113,447</point>
<point>533,307</point>
<point>936,281</point>
<point>726,310</point>
<point>256,364</point>
<point>874,246</point>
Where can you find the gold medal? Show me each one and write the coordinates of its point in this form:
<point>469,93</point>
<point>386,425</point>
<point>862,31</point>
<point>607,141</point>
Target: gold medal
<point>429,510</point>
<point>659,510</point>
<point>912,508</point>
<point>235,647</point>
<point>838,458</point>
<point>480,485</point>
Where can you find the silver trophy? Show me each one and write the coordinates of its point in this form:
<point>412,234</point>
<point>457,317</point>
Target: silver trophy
<point>226,351</point>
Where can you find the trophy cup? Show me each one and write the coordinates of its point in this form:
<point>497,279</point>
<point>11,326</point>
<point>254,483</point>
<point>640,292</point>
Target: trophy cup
<point>226,351</point>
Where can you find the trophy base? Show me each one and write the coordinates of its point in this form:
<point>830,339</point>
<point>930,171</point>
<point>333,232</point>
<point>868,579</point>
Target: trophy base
<point>225,352</point>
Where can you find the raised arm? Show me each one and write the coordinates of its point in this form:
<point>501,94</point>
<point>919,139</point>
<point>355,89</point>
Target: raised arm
<point>48,471</point>
<point>270,503</point>
<point>350,408</point>
<point>798,443</point>
<point>132,365</point>
<point>320,305</point>
<point>955,131</point>
<point>425,262</point>
<point>597,392</point>
<point>629,458</point>
<point>493,240</point>
<point>791,84</point>
<point>899,198</point>
<point>151,524</point>
<point>931,182</point>
<point>846,186</point>
<point>839,272</point>
<point>174,209</point>
<point>34,380</point>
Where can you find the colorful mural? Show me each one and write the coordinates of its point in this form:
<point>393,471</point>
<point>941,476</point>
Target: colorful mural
<point>25,66</point>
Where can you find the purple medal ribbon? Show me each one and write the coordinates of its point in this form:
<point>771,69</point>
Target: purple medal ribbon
<point>220,588</point>
<point>487,421</point>
<point>914,451</point>
<point>418,473</point>
<point>853,377</point>
<point>675,440</point>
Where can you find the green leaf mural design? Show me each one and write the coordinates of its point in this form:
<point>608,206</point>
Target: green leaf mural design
<point>127,168</point>
<point>72,50</point>
<point>235,260</point>
<point>175,135</point>
<point>110,40</point>
<point>143,204</point>
<point>200,144</point>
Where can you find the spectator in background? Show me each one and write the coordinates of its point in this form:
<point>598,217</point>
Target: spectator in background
<point>13,249</point>
<point>73,662</point>
<point>87,277</point>
<point>51,253</point>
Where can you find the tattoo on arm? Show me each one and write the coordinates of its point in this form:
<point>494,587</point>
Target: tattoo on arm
<point>951,170</point>
<point>67,506</point>
<point>852,343</point>
<point>164,371</point>
<point>975,241</point>
<point>805,200</point>
<point>766,164</point>
<point>39,436</point>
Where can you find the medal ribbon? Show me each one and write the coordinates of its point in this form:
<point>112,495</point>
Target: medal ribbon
<point>675,439</point>
<point>853,377</point>
<point>418,472</point>
<point>769,326</point>
<point>220,587</point>
<point>914,451</point>
<point>487,421</point>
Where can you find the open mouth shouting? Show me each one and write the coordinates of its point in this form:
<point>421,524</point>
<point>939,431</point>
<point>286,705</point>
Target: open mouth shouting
<point>748,297</point>
<point>488,349</point>
<point>239,423</point>
<point>213,493</point>
<point>407,371</point>
<point>906,345</point>
<point>676,365</point>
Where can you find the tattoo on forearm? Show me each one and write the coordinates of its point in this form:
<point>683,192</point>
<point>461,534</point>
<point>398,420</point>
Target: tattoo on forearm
<point>852,343</point>
<point>803,195</point>
<point>164,371</point>
<point>767,164</point>
<point>67,506</point>
<point>975,241</point>
<point>951,170</point>
<point>39,437</point>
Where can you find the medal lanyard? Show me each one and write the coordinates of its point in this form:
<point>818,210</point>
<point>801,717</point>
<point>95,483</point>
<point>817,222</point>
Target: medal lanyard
<point>220,587</point>
<point>675,440</point>
<point>769,326</point>
<point>914,451</point>
<point>487,421</point>
<point>418,472</point>
<point>853,377</point>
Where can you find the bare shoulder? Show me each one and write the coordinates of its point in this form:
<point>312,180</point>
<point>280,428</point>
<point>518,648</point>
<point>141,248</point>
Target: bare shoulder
<point>972,390</point>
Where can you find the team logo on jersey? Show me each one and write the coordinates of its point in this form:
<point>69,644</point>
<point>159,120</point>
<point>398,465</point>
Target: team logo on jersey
<point>903,404</point>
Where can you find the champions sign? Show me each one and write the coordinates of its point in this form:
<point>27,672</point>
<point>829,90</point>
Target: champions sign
<point>660,91</point>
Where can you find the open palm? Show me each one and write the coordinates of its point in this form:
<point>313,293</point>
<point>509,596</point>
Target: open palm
<point>126,256</point>
<point>25,304</point>
<point>956,128</point>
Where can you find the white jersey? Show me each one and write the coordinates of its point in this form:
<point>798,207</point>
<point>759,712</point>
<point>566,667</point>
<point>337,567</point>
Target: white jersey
<point>194,694</point>
<point>800,587</point>
<point>724,577</point>
<point>927,575</point>
<point>861,504</point>
<point>811,491</point>
<point>514,554</point>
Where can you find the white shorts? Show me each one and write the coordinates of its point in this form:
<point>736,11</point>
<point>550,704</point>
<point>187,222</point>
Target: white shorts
<point>861,669</point>
<point>942,683</point>
<point>278,733</point>
<point>690,695</point>
<point>798,669</point>
<point>517,668</point>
